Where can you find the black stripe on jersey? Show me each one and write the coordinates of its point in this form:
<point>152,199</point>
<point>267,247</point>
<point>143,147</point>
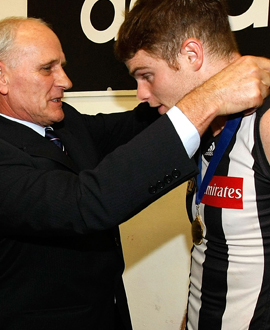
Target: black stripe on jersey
<point>261,317</point>
<point>215,266</point>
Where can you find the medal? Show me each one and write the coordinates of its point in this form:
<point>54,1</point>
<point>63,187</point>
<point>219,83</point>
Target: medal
<point>197,229</point>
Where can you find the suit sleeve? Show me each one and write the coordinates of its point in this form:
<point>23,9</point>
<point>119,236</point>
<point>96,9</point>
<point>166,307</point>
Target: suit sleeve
<point>57,202</point>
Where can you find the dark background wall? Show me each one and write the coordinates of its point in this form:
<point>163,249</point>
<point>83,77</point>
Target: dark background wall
<point>91,64</point>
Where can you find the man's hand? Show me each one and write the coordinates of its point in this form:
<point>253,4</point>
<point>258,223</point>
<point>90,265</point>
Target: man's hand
<point>242,85</point>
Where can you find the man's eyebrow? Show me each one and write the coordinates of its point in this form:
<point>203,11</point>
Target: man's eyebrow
<point>133,72</point>
<point>64,63</point>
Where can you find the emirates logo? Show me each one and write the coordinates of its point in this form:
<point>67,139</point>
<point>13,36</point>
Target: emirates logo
<point>225,192</point>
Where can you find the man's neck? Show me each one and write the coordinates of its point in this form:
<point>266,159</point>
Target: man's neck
<point>218,123</point>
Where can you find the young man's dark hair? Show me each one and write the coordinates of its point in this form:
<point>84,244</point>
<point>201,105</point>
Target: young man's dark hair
<point>160,27</point>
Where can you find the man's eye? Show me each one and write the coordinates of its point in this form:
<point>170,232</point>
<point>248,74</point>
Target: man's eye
<point>46,68</point>
<point>147,76</point>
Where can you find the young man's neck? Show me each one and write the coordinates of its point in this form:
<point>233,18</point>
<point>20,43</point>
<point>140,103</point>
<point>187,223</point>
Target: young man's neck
<point>218,123</point>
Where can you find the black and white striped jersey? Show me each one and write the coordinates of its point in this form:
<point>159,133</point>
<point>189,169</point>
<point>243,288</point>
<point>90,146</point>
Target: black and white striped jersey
<point>230,270</point>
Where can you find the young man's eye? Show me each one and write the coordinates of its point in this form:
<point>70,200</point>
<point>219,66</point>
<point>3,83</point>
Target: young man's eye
<point>147,76</point>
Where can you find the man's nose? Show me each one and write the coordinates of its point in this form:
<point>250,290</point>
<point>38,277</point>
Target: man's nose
<point>143,93</point>
<point>63,80</point>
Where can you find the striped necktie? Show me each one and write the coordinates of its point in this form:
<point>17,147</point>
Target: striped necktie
<point>51,136</point>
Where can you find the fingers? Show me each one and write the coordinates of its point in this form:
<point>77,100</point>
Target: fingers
<point>262,62</point>
<point>265,91</point>
<point>253,77</point>
<point>255,61</point>
<point>265,77</point>
<point>258,68</point>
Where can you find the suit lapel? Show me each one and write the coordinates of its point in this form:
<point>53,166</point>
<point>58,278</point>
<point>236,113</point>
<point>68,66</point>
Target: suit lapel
<point>33,143</point>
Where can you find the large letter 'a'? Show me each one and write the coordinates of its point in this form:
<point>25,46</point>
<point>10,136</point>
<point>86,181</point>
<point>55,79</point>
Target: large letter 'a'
<point>257,15</point>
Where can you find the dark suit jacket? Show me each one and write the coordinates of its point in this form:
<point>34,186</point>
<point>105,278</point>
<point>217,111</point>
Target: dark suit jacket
<point>61,261</point>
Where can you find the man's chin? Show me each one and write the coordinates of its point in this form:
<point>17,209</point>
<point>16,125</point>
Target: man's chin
<point>55,118</point>
<point>162,109</point>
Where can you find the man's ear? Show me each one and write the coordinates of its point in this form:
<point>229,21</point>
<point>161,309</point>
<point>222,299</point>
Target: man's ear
<point>3,79</point>
<point>192,49</point>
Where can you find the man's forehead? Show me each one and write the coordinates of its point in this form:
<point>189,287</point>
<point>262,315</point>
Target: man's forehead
<point>34,38</point>
<point>142,60</point>
<point>31,32</point>
<point>28,29</point>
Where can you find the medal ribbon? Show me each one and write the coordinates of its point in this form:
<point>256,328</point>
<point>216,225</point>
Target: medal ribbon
<point>225,138</point>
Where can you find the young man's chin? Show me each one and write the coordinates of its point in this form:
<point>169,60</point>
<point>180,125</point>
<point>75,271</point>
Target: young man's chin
<point>162,109</point>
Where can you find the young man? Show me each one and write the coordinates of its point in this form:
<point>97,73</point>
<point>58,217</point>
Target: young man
<point>172,47</point>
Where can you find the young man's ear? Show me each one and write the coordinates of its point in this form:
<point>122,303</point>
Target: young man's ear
<point>193,51</point>
<point>3,79</point>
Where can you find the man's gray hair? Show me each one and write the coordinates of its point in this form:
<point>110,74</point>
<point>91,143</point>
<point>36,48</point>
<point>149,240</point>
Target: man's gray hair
<point>8,32</point>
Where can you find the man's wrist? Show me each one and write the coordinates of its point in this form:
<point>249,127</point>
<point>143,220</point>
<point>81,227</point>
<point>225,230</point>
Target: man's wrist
<point>200,107</point>
<point>185,129</point>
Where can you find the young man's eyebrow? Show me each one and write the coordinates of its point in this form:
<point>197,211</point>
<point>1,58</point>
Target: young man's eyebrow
<point>133,72</point>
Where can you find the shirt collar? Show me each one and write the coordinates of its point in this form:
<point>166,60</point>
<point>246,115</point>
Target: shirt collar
<point>39,129</point>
